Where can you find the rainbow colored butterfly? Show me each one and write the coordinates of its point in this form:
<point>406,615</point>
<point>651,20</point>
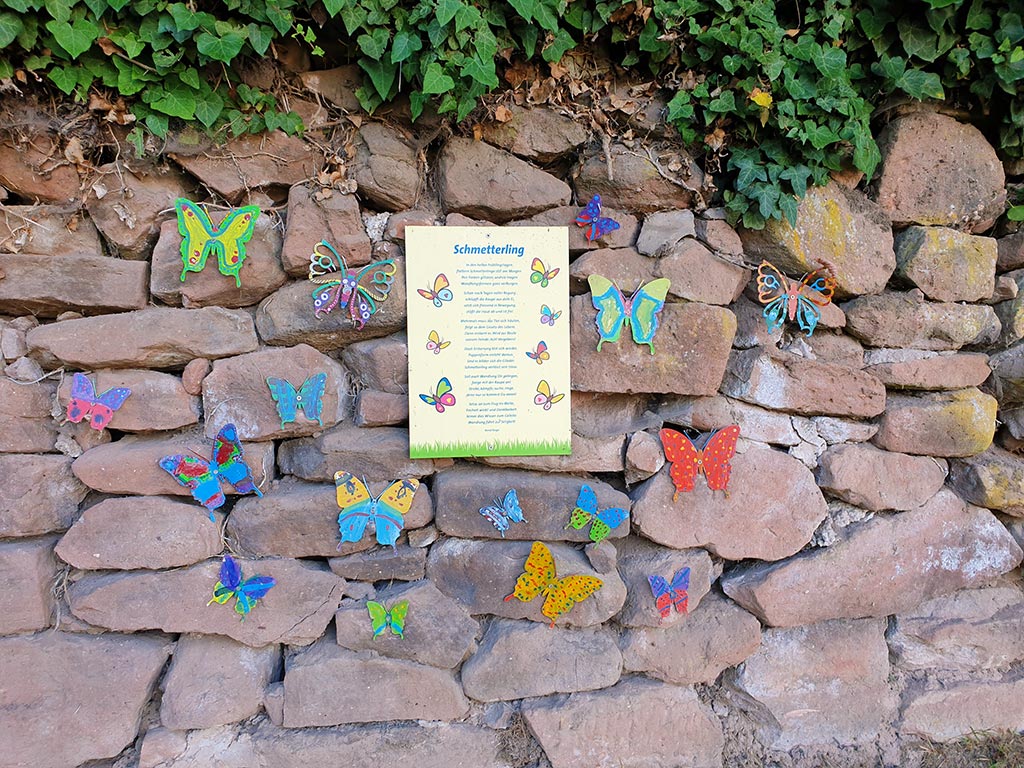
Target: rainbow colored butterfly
<point>542,274</point>
<point>360,292</point>
<point>309,398</point>
<point>359,506</point>
<point>84,402</point>
<point>246,593</point>
<point>545,396</point>
<point>639,311</point>
<point>548,316</point>
<point>712,460</point>
<point>442,397</point>
<point>434,343</point>
<point>203,477</point>
<point>668,594</point>
<point>590,217</point>
<point>539,577</point>
<point>787,299</point>
<point>601,522</point>
<point>227,242</point>
<point>382,619</point>
<point>504,511</point>
<point>440,293</point>
<point>540,354</point>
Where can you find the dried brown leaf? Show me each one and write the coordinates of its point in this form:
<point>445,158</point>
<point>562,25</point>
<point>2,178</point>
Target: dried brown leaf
<point>502,114</point>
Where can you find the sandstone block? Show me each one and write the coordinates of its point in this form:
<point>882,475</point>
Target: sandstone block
<point>638,559</point>
<point>38,494</point>
<point>916,369</point>
<point>711,413</point>
<point>1010,250</point>
<point>957,423</point>
<point>335,220</point>
<point>539,134</point>
<point>589,454</point>
<point>960,710</point>
<point>946,264</point>
<point>634,182</point>
<point>876,480</point>
<point>1008,374</point>
<point>993,479</point>
<point>699,275</point>
<point>403,563</point>
<point>380,409</point>
<point>386,167</point>
<point>628,266</point>
<point>663,229</point>
<point>905,320</point>
<point>29,170</point>
<point>25,422</point>
<point>27,575</point>
<point>52,230</point>
<point>158,401</point>
<point>644,457</point>
<point>564,215</point>
<point>381,364</point>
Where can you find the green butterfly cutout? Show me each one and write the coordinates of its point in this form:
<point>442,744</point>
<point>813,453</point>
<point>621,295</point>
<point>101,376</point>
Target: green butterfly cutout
<point>382,619</point>
<point>227,242</point>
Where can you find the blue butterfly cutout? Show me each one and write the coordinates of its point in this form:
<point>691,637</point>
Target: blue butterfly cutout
<point>246,593</point>
<point>601,522</point>
<point>596,224</point>
<point>639,311</point>
<point>359,506</point>
<point>308,399</point>
<point>504,511</point>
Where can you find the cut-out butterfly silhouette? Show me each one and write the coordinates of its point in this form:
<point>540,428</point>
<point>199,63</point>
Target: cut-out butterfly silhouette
<point>246,593</point>
<point>712,460</point>
<point>639,311</point>
<point>545,396</point>
<point>309,398</point>
<point>540,354</point>
<point>601,522</point>
<point>360,292</point>
<point>597,225</point>
<point>668,594</point>
<point>442,397</point>
<point>85,403</point>
<point>203,477</point>
<point>440,293</point>
<point>786,299</point>
<point>434,343</point>
<point>201,239</point>
<point>548,316</point>
<point>504,511</point>
<point>539,578</point>
<point>542,274</point>
<point>381,619</point>
<point>359,506</point>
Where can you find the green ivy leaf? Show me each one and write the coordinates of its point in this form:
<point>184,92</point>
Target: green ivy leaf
<point>436,81</point>
<point>831,62</point>
<point>404,45</point>
<point>75,38</point>
<point>224,48</point>
<point>921,85</point>
<point>176,100</point>
<point>382,75</point>
<point>446,10</point>
<point>918,41</point>
<point>209,106</point>
<point>373,44</point>
<point>352,15</point>
<point>1016,213</point>
<point>480,71</point>
<point>65,78</point>
<point>563,42</point>
<point>10,27</point>
<point>525,8</point>
<point>158,124</point>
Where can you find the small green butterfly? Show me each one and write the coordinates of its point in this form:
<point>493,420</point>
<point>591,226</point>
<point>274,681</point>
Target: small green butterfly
<point>382,619</point>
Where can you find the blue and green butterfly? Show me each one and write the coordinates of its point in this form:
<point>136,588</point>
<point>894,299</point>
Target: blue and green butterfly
<point>201,239</point>
<point>382,619</point>
<point>639,311</point>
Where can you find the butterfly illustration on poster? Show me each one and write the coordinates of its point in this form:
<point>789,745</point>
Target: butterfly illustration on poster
<point>383,619</point>
<point>440,293</point>
<point>540,354</point>
<point>360,293</point>
<point>441,397</point>
<point>639,311</point>
<point>546,396</point>
<point>435,343</point>
<point>548,315</point>
<point>787,299</point>
<point>247,592</point>
<point>711,460</point>
<point>226,243</point>
<point>560,594</point>
<point>540,274</point>
<point>86,404</point>
<point>308,398</point>
<point>358,507</point>
<point>504,511</point>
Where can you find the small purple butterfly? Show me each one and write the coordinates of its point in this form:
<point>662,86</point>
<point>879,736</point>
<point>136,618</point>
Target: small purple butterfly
<point>590,217</point>
<point>548,315</point>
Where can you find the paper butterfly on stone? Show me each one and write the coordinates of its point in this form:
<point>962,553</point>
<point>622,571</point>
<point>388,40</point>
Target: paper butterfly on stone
<point>540,354</point>
<point>504,512</point>
<point>440,293</point>
<point>442,397</point>
<point>597,225</point>
<point>309,398</point>
<point>203,477</point>
<point>84,402</point>
<point>548,316</point>
<point>601,522</point>
<point>358,506</point>
<point>381,619</point>
<point>360,292</point>
<point>545,396</point>
<point>712,461</point>
<point>434,343</point>
<point>668,594</point>
<point>542,274</point>
<point>639,311</point>
<point>246,593</point>
<point>539,577</point>
<point>200,239</point>
<point>786,299</point>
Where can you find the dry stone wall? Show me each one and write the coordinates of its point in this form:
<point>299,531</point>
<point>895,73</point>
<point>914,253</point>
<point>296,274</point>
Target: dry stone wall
<point>857,591</point>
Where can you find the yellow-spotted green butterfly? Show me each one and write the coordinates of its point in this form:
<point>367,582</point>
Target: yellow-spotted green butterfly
<point>381,619</point>
<point>539,577</point>
<point>542,274</point>
<point>200,238</point>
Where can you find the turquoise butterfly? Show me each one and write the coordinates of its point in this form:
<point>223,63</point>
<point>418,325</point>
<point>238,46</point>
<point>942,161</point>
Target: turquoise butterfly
<point>381,619</point>
<point>308,399</point>
<point>639,311</point>
<point>227,242</point>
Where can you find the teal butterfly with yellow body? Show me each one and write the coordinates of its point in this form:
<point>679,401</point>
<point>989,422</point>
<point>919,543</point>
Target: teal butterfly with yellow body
<point>201,239</point>
<point>381,619</point>
<point>639,311</point>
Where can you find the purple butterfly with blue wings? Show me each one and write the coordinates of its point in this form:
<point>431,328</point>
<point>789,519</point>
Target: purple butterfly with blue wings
<point>504,511</point>
<point>85,403</point>
<point>667,594</point>
<point>597,225</point>
<point>308,399</point>
<point>246,593</point>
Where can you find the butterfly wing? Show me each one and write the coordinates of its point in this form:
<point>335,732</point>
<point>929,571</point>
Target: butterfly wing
<point>605,521</point>
<point>543,396</point>
<point>103,409</point>
<point>310,398</point>
<point>585,509</point>
<point>250,591</point>
<point>284,395</point>
<point>818,290</point>
<point>539,272</point>
<point>229,581</point>
<point>372,285</point>
<point>355,503</point>
<point>566,593</point>
<point>538,573</point>
<point>496,517</point>
<point>390,509</point>
<point>717,453</point>
<point>591,211</point>
<point>230,238</point>
<point>196,232</point>
<point>610,306</point>
<point>679,595</point>
<point>83,396</point>
<point>683,458</point>
<point>443,395</point>
<point>771,283</point>
<point>662,595</point>
<point>600,227</point>
<point>195,474</point>
<point>512,508</point>
<point>227,454</point>
<point>647,302</point>
<point>398,613</point>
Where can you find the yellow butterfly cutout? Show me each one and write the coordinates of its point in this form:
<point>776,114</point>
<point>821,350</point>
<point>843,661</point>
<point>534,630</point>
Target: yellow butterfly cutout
<point>539,577</point>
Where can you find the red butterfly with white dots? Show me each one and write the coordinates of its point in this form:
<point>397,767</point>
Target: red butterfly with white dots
<point>712,460</point>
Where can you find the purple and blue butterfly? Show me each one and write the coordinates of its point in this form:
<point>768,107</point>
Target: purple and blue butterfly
<point>597,226</point>
<point>668,594</point>
<point>246,593</point>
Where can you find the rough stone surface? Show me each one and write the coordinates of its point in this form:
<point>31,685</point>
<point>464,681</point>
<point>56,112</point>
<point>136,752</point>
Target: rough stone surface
<point>540,134</point>
<point>1011,311</point>
<point>480,574</point>
<point>993,479</point>
<point>636,724</point>
<point>961,710</point>
<point>546,499</point>
<point>588,454</point>
<point>834,225</point>
<point>158,400</point>
<point>947,265</point>
<point>215,681</point>
<point>403,563</point>
<point>822,684</point>
<point>638,559</point>
<point>634,182</point>
<point>327,685</point>
<point>1010,252</point>
<point>296,611</point>
<point>52,230</point>
<point>957,423</point>
<point>27,575</point>
<point>746,523</point>
<point>710,413</point>
<point>644,456</point>
<point>386,167</point>
<point>381,364</point>
<point>337,85</point>
<point>311,220</point>
<point>664,229</point>
<point>380,409</point>
<point>886,565</point>
<point>914,369</point>
<point>699,275</point>
<point>484,182</point>
<point>718,636</point>
<point>630,269</point>
<point>141,532</point>
<point>788,382</point>
<point>38,494</point>
<point>50,720</point>
<point>155,338</point>
<point>193,373</point>
<point>25,423</point>
<point>905,320</point>
<point>1008,374</point>
<point>29,169</point>
<point>936,170</point>
<point>692,348</point>
<point>519,659</point>
<point>438,631</point>
<point>876,479</point>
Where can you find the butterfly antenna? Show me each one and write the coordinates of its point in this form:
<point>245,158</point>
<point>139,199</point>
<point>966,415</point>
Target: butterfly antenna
<point>509,597</point>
